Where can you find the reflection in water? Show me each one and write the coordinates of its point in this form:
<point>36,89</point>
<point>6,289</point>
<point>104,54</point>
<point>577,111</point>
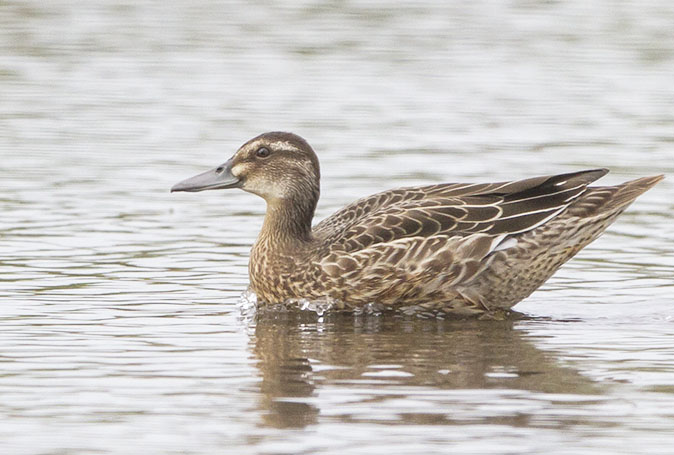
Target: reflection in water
<point>118,324</point>
<point>386,357</point>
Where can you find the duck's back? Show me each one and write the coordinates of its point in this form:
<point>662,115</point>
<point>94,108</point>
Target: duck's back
<point>455,209</point>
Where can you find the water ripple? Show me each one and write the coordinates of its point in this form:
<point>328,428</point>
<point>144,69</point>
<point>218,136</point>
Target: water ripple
<point>122,327</point>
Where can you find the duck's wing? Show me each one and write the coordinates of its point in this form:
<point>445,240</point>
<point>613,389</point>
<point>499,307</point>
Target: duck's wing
<point>495,210</point>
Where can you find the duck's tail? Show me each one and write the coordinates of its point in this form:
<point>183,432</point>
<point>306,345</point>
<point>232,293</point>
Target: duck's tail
<point>602,200</point>
<point>539,253</point>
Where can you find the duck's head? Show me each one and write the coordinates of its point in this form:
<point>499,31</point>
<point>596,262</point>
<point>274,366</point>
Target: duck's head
<point>275,166</point>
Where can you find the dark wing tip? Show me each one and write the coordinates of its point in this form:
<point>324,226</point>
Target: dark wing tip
<point>580,177</point>
<point>599,172</point>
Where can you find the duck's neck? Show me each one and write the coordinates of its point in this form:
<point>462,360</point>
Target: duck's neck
<point>287,223</point>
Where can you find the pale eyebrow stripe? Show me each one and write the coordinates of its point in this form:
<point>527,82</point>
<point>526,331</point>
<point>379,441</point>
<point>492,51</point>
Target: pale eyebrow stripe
<point>285,145</point>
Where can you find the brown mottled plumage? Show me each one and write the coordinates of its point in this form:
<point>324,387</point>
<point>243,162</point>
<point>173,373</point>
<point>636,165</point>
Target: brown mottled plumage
<point>455,248</point>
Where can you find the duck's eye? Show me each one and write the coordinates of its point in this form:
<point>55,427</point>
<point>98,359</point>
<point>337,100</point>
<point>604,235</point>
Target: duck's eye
<point>262,152</point>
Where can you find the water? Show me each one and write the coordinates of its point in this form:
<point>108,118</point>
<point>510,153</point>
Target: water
<point>120,330</point>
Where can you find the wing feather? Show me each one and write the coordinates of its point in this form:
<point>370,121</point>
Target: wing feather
<point>456,210</point>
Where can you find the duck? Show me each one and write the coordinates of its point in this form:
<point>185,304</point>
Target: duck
<point>457,249</point>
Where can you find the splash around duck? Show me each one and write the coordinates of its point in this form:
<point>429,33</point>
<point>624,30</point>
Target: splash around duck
<point>452,249</point>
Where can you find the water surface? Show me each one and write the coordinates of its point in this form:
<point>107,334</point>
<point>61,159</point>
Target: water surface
<point>120,329</point>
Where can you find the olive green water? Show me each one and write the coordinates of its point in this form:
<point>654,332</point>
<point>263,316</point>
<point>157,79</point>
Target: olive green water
<point>120,322</point>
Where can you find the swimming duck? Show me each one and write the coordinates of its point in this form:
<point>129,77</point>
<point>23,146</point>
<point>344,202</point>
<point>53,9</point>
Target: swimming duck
<point>458,249</point>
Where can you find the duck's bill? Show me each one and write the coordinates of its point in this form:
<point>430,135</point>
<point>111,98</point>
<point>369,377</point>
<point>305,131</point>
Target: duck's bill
<point>218,178</point>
